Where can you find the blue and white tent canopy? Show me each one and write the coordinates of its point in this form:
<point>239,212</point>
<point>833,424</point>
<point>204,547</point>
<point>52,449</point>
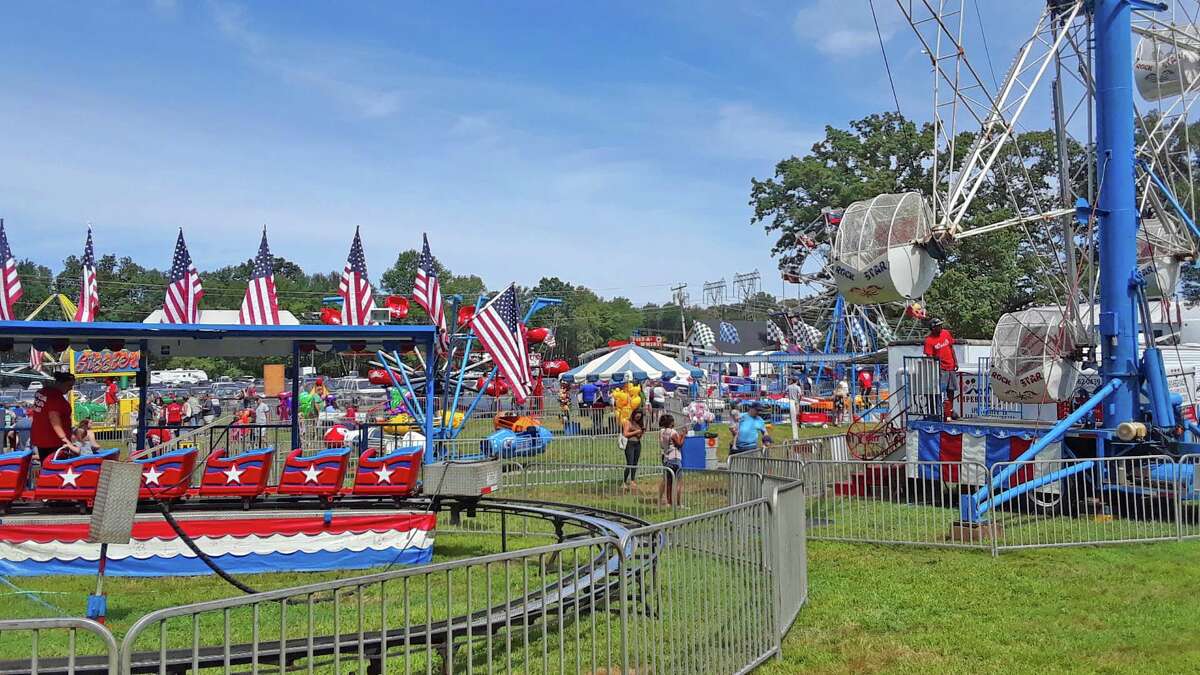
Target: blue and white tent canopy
<point>633,362</point>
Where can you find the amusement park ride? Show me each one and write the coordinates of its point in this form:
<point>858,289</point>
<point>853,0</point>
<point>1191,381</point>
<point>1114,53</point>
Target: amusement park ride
<point>1124,225</point>
<point>390,460</point>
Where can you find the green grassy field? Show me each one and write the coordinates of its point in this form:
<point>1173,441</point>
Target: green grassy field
<point>890,609</point>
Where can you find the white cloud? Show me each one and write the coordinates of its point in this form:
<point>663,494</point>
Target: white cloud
<point>744,132</point>
<point>295,66</point>
<point>845,28</point>
<point>165,7</point>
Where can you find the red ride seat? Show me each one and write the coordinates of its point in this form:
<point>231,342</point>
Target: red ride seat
<point>167,477</point>
<point>14,476</point>
<point>243,475</point>
<point>71,479</point>
<point>393,475</point>
<point>320,474</point>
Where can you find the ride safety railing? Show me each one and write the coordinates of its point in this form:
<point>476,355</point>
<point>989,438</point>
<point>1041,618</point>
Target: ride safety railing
<point>58,645</point>
<point>710,592</point>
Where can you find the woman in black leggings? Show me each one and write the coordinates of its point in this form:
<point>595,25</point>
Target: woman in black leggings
<point>632,430</point>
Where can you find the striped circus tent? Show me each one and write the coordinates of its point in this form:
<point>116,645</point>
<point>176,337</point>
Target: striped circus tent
<point>633,362</point>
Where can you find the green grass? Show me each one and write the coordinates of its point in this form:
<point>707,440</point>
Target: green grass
<point>892,609</point>
<point>871,608</point>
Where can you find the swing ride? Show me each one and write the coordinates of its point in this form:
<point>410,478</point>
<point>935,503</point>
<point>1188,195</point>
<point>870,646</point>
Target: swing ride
<point>1110,243</point>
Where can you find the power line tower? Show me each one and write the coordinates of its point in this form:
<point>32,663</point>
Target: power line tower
<point>746,286</point>
<point>714,292</point>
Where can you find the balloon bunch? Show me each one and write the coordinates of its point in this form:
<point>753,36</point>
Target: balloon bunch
<point>626,399</point>
<point>698,413</point>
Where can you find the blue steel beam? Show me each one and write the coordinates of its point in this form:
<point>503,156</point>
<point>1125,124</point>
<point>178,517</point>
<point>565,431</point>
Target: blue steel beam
<point>971,504</point>
<point>1117,206</point>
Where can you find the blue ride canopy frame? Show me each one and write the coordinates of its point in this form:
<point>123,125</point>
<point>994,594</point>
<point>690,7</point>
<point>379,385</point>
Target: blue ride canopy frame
<point>167,340</point>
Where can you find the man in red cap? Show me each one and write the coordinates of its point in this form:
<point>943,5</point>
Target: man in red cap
<point>939,344</point>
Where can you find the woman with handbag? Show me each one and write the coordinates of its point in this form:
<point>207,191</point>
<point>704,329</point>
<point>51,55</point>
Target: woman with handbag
<point>670,441</point>
<point>630,441</point>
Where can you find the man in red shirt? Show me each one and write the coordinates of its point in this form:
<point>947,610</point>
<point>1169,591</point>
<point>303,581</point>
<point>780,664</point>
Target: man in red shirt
<point>174,413</point>
<point>51,415</point>
<point>866,384</point>
<point>110,398</point>
<point>939,344</point>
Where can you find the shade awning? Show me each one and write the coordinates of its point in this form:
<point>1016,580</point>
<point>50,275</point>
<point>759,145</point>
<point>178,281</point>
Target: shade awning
<point>633,362</point>
<point>163,340</point>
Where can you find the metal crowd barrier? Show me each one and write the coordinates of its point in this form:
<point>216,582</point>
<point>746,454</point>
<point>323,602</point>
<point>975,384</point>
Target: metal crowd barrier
<point>708,604</point>
<point>96,648</point>
<point>1083,502</point>
<point>705,593</point>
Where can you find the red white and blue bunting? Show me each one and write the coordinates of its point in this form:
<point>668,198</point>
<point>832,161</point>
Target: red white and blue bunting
<point>239,545</point>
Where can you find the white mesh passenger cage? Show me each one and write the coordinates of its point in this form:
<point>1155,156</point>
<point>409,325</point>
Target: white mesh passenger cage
<point>1163,237</point>
<point>872,226</point>
<point>1162,245</point>
<point>1161,68</point>
<point>1032,356</point>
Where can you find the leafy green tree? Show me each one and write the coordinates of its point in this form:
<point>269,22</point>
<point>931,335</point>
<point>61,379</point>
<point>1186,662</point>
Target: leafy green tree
<point>37,283</point>
<point>128,291</point>
<point>982,277</point>
<point>299,292</point>
<point>399,278</point>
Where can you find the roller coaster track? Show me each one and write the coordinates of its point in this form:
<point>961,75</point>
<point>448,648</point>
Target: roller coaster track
<point>588,586</point>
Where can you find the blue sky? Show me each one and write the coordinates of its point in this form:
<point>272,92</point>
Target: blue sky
<point>610,144</point>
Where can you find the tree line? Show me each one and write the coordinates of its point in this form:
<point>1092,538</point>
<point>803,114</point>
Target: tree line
<point>130,291</point>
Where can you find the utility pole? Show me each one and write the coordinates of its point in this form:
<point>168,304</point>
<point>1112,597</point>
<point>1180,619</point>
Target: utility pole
<point>679,296</point>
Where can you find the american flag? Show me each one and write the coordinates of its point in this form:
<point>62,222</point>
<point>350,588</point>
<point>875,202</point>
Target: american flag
<point>260,307</point>
<point>35,358</point>
<point>89,290</point>
<point>10,287</point>
<point>184,290</point>
<point>355,288</point>
<point>427,291</point>
<point>503,338</point>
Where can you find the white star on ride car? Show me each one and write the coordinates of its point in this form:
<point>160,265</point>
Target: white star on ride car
<point>233,475</point>
<point>312,475</point>
<point>152,476</point>
<point>69,477</point>
<point>384,475</point>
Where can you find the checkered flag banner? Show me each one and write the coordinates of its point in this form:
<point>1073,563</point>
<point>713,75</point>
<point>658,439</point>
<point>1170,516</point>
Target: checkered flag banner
<point>776,334</point>
<point>806,335</point>
<point>702,335</point>
<point>884,332</point>
<point>857,333</point>
<point>729,334</point>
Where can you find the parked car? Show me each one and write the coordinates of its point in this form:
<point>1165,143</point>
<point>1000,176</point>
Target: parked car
<point>357,386</point>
